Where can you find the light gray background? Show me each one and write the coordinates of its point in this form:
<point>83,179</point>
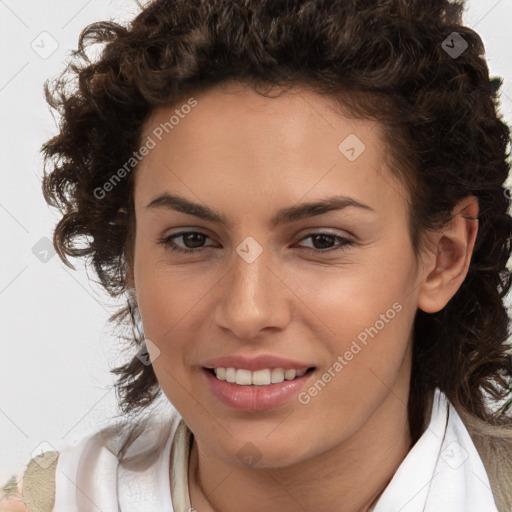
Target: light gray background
<point>56,345</point>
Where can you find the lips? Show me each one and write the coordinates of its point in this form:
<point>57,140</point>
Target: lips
<point>254,398</point>
<point>245,396</point>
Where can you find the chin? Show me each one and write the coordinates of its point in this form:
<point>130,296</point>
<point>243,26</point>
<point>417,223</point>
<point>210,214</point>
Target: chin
<point>263,451</point>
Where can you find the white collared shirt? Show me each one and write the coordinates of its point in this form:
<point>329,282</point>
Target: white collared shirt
<point>442,472</point>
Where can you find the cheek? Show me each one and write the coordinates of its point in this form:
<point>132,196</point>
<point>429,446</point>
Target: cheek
<point>363,313</point>
<point>348,299</point>
<point>156,303</point>
<point>165,294</point>
<point>165,304</point>
<point>363,328</point>
<point>172,304</point>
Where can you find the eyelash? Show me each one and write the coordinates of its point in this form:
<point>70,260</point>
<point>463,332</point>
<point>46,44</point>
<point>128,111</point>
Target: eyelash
<point>167,242</point>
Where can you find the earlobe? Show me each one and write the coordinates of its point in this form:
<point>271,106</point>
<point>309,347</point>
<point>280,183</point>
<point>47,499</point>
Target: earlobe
<point>453,250</point>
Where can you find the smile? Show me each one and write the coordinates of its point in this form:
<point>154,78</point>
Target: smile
<point>257,390</point>
<point>262,377</point>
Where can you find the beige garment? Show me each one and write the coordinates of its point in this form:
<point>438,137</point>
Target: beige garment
<point>38,490</point>
<point>180,456</point>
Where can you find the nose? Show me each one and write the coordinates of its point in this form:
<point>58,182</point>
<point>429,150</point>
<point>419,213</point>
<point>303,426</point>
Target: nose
<point>252,298</point>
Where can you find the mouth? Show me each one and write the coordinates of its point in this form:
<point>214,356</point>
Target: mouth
<point>255,391</point>
<point>263,377</point>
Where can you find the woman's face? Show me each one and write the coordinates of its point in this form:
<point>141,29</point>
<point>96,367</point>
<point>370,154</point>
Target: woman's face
<point>253,288</point>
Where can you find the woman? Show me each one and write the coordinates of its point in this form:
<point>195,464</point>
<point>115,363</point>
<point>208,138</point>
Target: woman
<point>303,204</point>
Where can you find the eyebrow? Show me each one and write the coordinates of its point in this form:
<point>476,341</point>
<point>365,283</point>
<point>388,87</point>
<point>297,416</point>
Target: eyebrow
<point>283,216</point>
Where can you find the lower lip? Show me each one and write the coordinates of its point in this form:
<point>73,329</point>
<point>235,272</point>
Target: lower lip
<point>255,398</point>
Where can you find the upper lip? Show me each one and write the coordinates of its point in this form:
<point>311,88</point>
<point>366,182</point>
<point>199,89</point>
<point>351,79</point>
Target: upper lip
<point>260,362</point>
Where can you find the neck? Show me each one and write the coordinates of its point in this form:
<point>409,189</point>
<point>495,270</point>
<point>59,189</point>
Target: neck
<point>348,478</point>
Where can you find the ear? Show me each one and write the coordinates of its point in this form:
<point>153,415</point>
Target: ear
<point>450,257</point>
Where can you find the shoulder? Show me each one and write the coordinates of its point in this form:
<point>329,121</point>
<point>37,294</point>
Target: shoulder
<point>134,441</point>
<point>34,489</point>
<point>494,445</point>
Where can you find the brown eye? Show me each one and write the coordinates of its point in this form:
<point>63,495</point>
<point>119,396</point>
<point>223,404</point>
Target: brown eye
<point>324,242</point>
<point>193,241</point>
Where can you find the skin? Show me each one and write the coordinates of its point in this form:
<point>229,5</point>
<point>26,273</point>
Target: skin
<point>247,156</point>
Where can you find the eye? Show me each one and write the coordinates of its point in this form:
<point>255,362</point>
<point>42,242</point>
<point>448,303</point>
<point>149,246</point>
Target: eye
<point>196,239</point>
<point>326,239</point>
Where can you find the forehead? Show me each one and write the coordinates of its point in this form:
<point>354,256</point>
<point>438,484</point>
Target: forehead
<point>234,142</point>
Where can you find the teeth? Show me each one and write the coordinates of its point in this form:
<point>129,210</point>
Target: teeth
<point>243,377</point>
<point>259,377</point>
<point>277,375</point>
<point>230,374</point>
<point>289,374</point>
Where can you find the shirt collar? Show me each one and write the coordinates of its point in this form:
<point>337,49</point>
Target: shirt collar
<point>442,471</point>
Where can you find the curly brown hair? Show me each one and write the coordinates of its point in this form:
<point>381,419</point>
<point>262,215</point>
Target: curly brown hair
<point>385,60</point>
